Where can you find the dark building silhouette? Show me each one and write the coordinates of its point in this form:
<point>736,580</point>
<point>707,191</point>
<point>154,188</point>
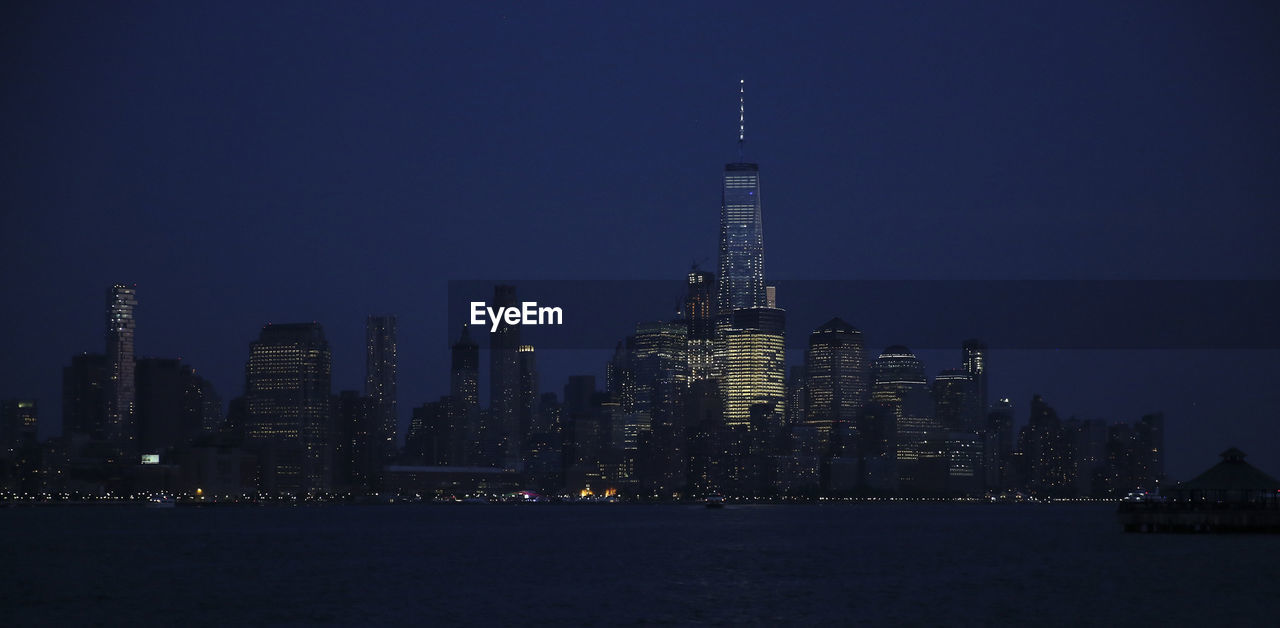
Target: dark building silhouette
<point>957,406</point>
<point>974,359</point>
<point>120,394</point>
<point>19,420</point>
<point>173,406</point>
<point>466,427</point>
<point>358,445</point>
<point>699,313</point>
<point>85,384</point>
<point>898,384</point>
<point>501,438</point>
<point>287,389</point>
<point>380,381</point>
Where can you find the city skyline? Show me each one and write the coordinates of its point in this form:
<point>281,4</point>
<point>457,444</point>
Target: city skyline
<point>976,216</point>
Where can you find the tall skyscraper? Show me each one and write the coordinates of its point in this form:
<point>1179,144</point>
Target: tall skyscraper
<point>955,398</point>
<point>120,397</point>
<point>172,404</point>
<point>19,419</point>
<point>84,396</point>
<point>380,381</point>
<point>974,356</point>
<point>287,388</point>
<point>741,272</point>
<point>835,372</point>
<point>699,318</point>
<point>528,398</point>
<point>504,385</point>
<point>466,430</point>
<point>898,384</point>
<point>755,366</point>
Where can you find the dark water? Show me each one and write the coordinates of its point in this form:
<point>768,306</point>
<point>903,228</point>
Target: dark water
<point>620,564</point>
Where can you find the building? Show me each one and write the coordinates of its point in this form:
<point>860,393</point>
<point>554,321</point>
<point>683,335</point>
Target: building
<point>120,394</point>
<point>19,420</point>
<point>501,444</point>
<point>898,385</point>
<point>466,428</point>
<point>287,388</point>
<point>835,373</point>
<point>84,396</point>
<point>755,365</point>
<point>956,401</point>
<point>740,280</point>
<point>380,381</point>
<point>699,318</point>
<point>356,442</point>
<point>528,397</point>
<point>974,359</point>
<point>174,405</point>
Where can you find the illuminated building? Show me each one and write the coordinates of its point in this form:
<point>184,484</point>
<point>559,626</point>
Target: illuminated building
<point>528,398</point>
<point>120,393</point>
<point>740,280</point>
<point>974,359</point>
<point>287,384</point>
<point>659,361</point>
<point>380,381</point>
<point>898,384</point>
<point>755,365</point>
<point>699,318</point>
<point>501,445</point>
<point>955,398</point>
<point>466,428</point>
<point>835,377</point>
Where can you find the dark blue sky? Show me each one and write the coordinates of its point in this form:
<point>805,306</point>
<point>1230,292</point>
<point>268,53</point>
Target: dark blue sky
<point>245,163</point>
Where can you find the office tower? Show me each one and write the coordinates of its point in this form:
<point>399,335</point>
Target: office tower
<point>357,444</point>
<point>287,388</point>
<point>1148,459</point>
<point>120,394</point>
<point>898,384</point>
<point>19,419</point>
<point>174,405</point>
<point>620,374</point>
<point>528,396</point>
<point>741,272</point>
<point>955,398</point>
<point>999,440</point>
<point>430,440</point>
<point>699,318</point>
<point>380,380</point>
<point>797,395</point>
<point>974,356</point>
<point>835,376</point>
<point>84,396</point>
<point>1044,448</point>
<point>755,366</point>
<point>659,362</point>
<point>503,442</point>
<point>466,428</point>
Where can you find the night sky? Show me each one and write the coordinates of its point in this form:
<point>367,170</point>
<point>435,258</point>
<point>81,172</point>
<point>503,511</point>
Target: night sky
<point>246,163</point>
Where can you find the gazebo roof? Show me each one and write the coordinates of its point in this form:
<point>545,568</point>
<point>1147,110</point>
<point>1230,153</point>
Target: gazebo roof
<point>1232,474</point>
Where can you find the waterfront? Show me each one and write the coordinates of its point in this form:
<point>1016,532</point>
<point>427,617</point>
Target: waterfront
<point>1056,564</point>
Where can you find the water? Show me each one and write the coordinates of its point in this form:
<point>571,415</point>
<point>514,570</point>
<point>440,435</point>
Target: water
<point>925,563</point>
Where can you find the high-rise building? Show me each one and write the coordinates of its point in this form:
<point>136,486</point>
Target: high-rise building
<point>19,420</point>
<point>898,384</point>
<point>380,381</point>
<point>699,317</point>
<point>974,357</point>
<point>466,430</point>
<point>741,273</point>
<point>357,454</point>
<point>755,366</point>
<point>287,388</point>
<point>955,398</point>
<point>172,404</point>
<point>84,396</point>
<point>503,430</point>
<point>835,375</point>
<point>120,394</point>
<point>659,362</point>
<point>528,398</point>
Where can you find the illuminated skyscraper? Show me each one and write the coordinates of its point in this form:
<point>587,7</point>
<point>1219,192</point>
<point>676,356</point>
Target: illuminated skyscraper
<point>287,383</point>
<point>699,318</point>
<point>659,362</point>
<point>955,397</point>
<point>380,381</point>
<point>120,394</point>
<point>465,428</point>
<point>503,426</point>
<point>755,364</point>
<point>835,372</point>
<point>974,356</point>
<point>898,384</point>
<point>528,399</point>
<point>741,273</point>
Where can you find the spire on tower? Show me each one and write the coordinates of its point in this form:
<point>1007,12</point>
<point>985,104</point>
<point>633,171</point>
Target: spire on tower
<point>742,115</point>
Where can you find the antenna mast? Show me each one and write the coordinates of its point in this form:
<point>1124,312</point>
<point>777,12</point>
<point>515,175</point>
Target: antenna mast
<point>742,116</point>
